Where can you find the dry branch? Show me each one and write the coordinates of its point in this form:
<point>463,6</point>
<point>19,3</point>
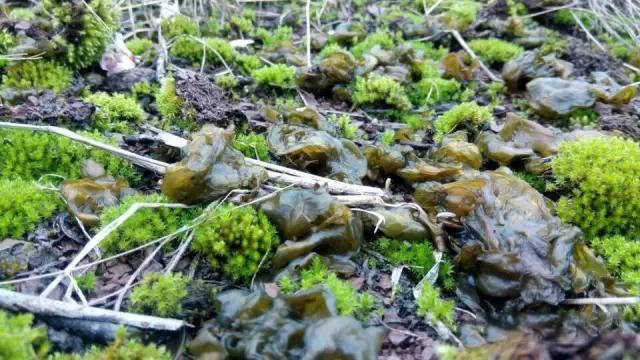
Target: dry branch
<point>18,302</point>
<point>473,55</point>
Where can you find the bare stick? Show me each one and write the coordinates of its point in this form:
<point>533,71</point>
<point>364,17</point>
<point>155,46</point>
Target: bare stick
<point>308,10</point>
<point>603,301</point>
<point>101,236</point>
<point>181,250</point>
<point>430,10</point>
<point>584,28</point>
<point>466,48</point>
<point>147,163</point>
<point>18,302</point>
<point>549,10</point>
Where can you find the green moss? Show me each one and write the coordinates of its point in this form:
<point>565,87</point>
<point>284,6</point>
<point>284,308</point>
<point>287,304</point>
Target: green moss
<point>622,257</point>
<point>495,50</point>
<point>19,340</point>
<point>554,44</point>
<point>171,106</point>
<point>428,50</point>
<point>22,14</point>
<point>349,130</point>
<point>139,46</point>
<point>23,206</point>
<point>278,75</point>
<point>160,294</point>
<point>382,38</point>
<point>435,90</point>
<point>235,240</point>
<point>192,49</point>
<point>248,63</point>
<point>564,17</point>
<point>7,41</point>
<point>469,114</point>
<point>115,112</point>
<point>144,89</point>
<point>431,305</point>
<point>179,25</point>
<point>602,180</point>
<point>87,282</point>
<point>584,117</point>
<point>330,49</point>
<point>145,225</point>
<point>252,145</point>
<point>279,35</point>
<point>388,137</point>
<point>83,33</point>
<point>227,81</point>
<point>415,121</point>
<point>122,348</point>
<point>348,301</point>
<point>30,155</point>
<point>38,74</point>
<point>242,24</point>
<point>460,13</point>
<point>496,92</point>
<point>376,89</point>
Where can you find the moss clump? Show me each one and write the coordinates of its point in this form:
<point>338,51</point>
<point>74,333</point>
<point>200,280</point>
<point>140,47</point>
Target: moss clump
<point>29,155</point>
<point>19,340</point>
<point>252,145</point>
<point>115,112</point>
<point>192,49</point>
<point>160,295</point>
<point>622,257</point>
<point>349,130</point>
<point>145,225</point>
<point>469,113</point>
<point>496,92</point>
<point>429,51</point>
<point>279,35</point>
<point>384,39</point>
<point>536,181</point>
<point>171,106</point>
<point>417,256</point>
<point>120,349</point>
<point>435,90</point>
<point>248,63</point>
<point>38,74</point>
<point>583,117</point>
<point>235,240</point>
<point>348,301</point>
<point>23,206</point>
<point>388,137</point>
<point>87,282</point>
<point>278,75</point>
<point>329,50</point>
<point>84,33</point>
<point>380,89</point>
<point>602,179</point>
<point>139,46</point>
<point>6,42</point>
<point>554,44</point>
<point>495,50</point>
<point>435,308</point>
<point>460,13</point>
<point>144,89</point>
<point>22,14</point>
<point>227,81</point>
<point>179,25</point>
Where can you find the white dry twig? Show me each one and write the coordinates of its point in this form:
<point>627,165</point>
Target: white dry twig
<point>465,46</point>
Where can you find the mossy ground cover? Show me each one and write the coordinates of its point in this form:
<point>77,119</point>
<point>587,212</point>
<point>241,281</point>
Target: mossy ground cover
<point>394,99</point>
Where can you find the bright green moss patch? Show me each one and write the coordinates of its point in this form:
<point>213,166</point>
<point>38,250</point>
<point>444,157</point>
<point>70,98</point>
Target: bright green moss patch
<point>22,14</point>
<point>349,130</point>
<point>280,34</point>
<point>495,50</point>
<point>469,114</point>
<point>384,39</point>
<point>87,282</point>
<point>38,74</point>
<point>602,181</point>
<point>536,181</point>
<point>227,81</point>
<point>143,89</point>
<point>460,13</point>
<point>30,155</point>
<point>23,206</point>
<point>120,349</point>
<point>19,340</point>
<point>418,257</point>
<point>139,46</point>
<point>377,89</point>
<point>435,90</point>
<point>435,308</point>
<point>83,33</point>
<point>170,106</point>
<point>329,50</point>
<point>348,300</point>
<point>115,112</point>
<point>6,42</point>
<point>179,25</point>
<point>235,240</point>
<point>429,51</point>
<point>160,295</point>
<point>145,225</point>
<point>252,145</point>
<point>278,75</point>
<point>248,63</point>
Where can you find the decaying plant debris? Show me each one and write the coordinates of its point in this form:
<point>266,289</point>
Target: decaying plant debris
<point>430,179</point>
